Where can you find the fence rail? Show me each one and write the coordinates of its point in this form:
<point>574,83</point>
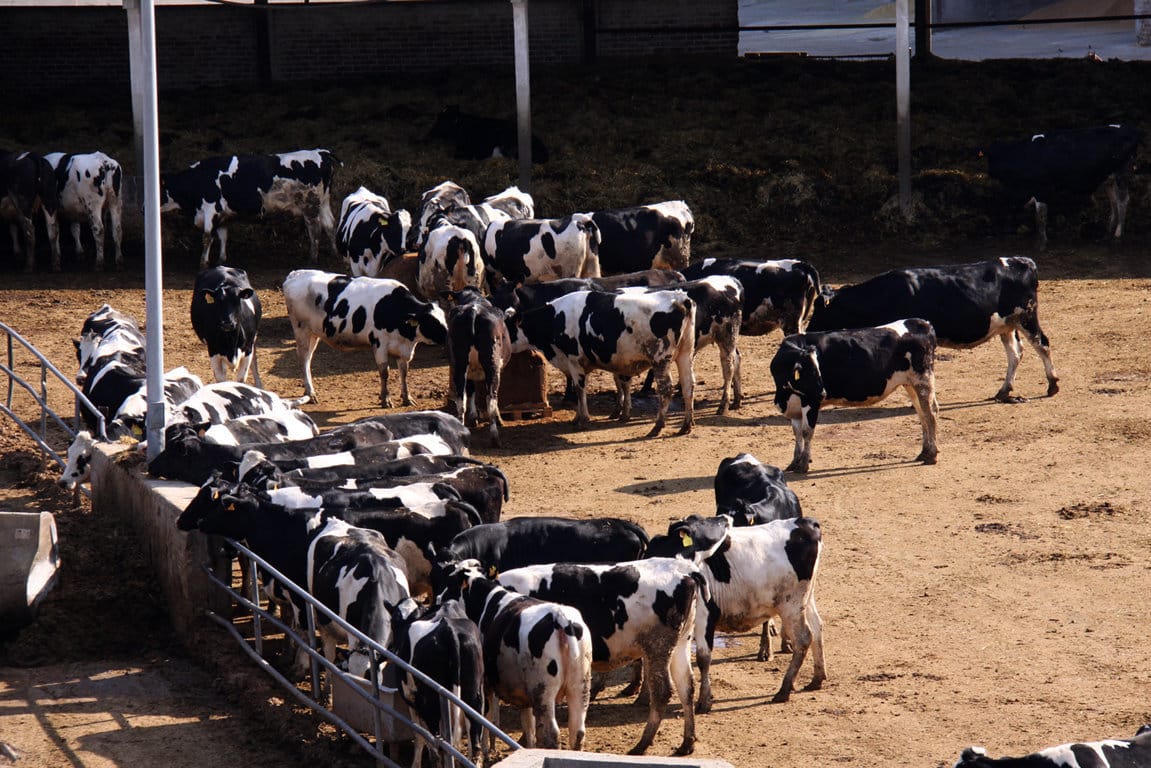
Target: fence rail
<point>40,396</point>
<point>380,659</point>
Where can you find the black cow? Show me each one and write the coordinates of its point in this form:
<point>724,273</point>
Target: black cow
<point>189,457</point>
<point>479,138</point>
<point>855,367</point>
<point>479,346</point>
<point>523,541</point>
<point>226,316</point>
<point>776,294</point>
<point>1068,165</point>
<point>28,186</point>
<point>752,493</point>
<point>645,237</point>
<point>1109,753</point>
<point>444,644</point>
<point>966,304</point>
<point>216,190</point>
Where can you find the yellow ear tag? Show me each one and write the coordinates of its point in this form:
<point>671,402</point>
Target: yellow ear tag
<point>413,322</point>
<point>685,538</point>
<point>383,221</point>
<point>492,571</point>
<point>797,374</point>
<point>137,430</point>
<point>209,298</point>
<point>275,486</point>
<point>215,495</point>
<point>231,507</point>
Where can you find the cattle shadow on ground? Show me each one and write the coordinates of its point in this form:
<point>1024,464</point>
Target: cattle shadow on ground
<point>846,471</point>
<point>667,487</point>
<point>552,435</point>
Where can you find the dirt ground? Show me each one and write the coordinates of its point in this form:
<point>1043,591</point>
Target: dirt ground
<point>997,598</point>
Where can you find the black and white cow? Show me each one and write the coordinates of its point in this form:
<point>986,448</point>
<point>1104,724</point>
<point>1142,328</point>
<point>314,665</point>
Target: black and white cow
<point>718,316</point>
<point>216,190</point>
<point>855,367</point>
<point>108,334</point>
<point>222,401</point>
<point>350,570</point>
<point>754,574</point>
<point>189,457</point>
<point>443,643</point>
<point>538,250</point>
<point>450,260</point>
<point>360,313</point>
<point>646,610</point>
<point>88,188</point>
<point>523,541</point>
<point>1108,753</point>
<point>535,652</point>
<point>226,316</point>
<point>479,346</point>
<point>624,334</point>
<point>967,304</point>
<point>280,427</point>
<point>370,234</point>
<point>503,206</point>
<point>443,197</point>
<point>479,138</point>
<point>28,186</point>
<point>645,237</point>
<point>130,419</point>
<point>752,493</point>
<point>1068,165</point>
<point>776,294</point>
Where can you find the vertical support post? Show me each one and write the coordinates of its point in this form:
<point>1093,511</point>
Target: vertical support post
<point>523,92</point>
<point>263,43</point>
<point>589,32</point>
<point>1142,26</point>
<point>136,64</point>
<point>144,81</point>
<point>923,29</point>
<point>903,105</point>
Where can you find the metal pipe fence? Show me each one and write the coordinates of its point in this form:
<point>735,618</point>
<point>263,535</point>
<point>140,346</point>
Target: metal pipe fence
<point>376,694</point>
<point>40,396</point>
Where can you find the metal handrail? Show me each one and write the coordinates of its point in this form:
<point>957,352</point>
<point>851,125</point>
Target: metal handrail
<point>378,653</point>
<point>40,397</point>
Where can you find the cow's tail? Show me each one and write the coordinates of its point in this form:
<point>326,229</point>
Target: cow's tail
<point>296,402</point>
<point>686,345</point>
<point>574,640</point>
<point>810,293</point>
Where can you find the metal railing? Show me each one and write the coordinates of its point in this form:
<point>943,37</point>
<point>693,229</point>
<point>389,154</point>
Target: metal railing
<point>376,694</point>
<point>40,397</point>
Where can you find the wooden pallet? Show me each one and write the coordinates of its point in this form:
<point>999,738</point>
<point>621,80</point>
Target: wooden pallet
<point>521,412</point>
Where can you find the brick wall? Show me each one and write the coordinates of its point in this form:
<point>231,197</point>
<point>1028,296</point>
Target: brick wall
<point>54,48</point>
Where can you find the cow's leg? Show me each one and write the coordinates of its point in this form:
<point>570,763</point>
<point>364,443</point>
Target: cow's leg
<point>795,625</point>
<point>458,381</point>
<point>684,688</point>
<point>492,379</point>
<point>313,227</point>
<point>1119,196</point>
<point>221,369</point>
<point>622,410</point>
<point>663,386</point>
<point>1038,340</point>
<point>687,387</point>
<point>97,223</point>
<point>816,624</point>
<point>206,238</point>
<point>1041,224</point>
<point>659,683</point>
<point>726,365</point>
<point>115,224</point>
<point>801,458</point>
<point>14,233</point>
<point>737,382</point>
<point>582,418</point>
<point>1013,348</point>
<point>52,225</point>
<point>922,394</point>
<point>404,361</point>
<point>29,240</point>
<point>764,653</point>
<point>633,687</point>
<point>74,227</point>
<point>706,617</point>
<point>382,365</point>
<point>244,364</point>
<point>305,348</point>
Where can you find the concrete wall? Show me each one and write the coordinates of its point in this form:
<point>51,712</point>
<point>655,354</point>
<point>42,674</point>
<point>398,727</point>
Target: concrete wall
<point>151,508</point>
<point>47,49</point>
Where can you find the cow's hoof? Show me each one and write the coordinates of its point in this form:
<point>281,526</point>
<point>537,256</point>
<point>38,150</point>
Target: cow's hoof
<point>655,430</point>
<point>1007,397</point>
<point>1052,388</point>
<point>814,685</point>
<point>686,748</point>
<point>643,700</point>
<point>580,425</point>
<point>686,428</point>
<point>386,403</point>
<point>796,467</point>
<point>638,749</point>
<point>781,698</point>
<point>702,707</point>
<point>927,458</point>
<point>763,656</point>
<point>407,401</point>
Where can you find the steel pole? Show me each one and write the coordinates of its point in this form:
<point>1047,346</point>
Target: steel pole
<point>523,92</point>
<point>903,105</point>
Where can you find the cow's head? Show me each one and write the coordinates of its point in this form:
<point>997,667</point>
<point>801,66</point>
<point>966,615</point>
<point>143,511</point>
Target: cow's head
<point>696,538</point>
<point>974,757</point>
<point>220,508</point>
<point>798,379</point>
<point>257,471</point>
<point>182,444</point>
<point>431,325</point>
<point>78,462</point>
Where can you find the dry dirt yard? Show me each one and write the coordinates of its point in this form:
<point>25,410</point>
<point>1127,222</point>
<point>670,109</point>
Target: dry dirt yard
<point>999,597</point>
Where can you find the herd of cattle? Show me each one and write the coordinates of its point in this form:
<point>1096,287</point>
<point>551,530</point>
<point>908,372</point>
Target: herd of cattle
<point>390,522</point>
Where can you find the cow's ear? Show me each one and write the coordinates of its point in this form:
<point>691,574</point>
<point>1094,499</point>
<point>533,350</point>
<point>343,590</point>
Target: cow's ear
<point>383,219</point>
<point>209,298</point>
<point>509,313</point>
<point>76,344</point>
<point>493,571</point>
<point>247,293</point>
